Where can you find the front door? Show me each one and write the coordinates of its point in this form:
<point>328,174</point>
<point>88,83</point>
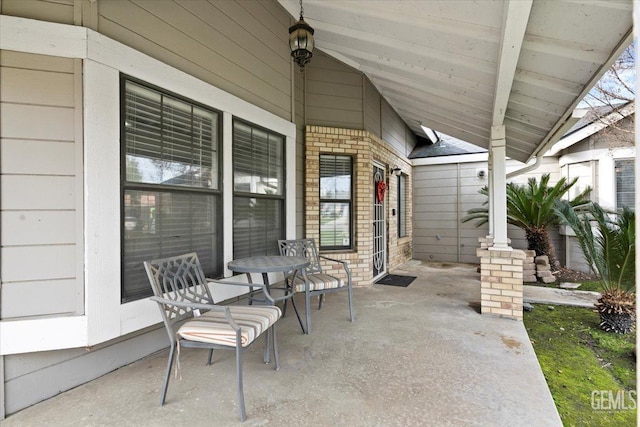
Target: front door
<point>379,224</point>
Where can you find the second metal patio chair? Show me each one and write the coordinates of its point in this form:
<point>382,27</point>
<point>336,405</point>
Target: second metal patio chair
<point>193,320</point>
<point>313,281</point>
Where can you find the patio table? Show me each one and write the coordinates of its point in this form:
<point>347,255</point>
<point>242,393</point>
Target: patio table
<point>271,264</point>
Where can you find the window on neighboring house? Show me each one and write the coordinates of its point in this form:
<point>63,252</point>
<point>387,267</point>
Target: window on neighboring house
<point>402,210</point>
<point>171,199</point>
<point>625,183</point>
<point>258,190</point>
<point>336,201</point>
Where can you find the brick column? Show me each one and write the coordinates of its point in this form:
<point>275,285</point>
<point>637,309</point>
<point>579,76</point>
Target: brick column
<point>501,281</point>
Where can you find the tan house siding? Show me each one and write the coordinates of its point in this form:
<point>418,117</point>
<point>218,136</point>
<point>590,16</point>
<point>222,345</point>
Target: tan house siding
<point>442,197</point>
<point>246,52</point>
<point>394,130</point>
<point>365,148</point>
<point>333,94</point>
<point>60,11</point>
<point>41,186</point>
<point>372,108</point>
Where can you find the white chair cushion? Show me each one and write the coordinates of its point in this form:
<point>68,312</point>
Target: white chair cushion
<point>317,282</point>
<point>212,326</point>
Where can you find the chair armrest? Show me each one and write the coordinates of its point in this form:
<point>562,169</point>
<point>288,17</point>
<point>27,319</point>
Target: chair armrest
<point>199,306</point>
<point>252,285</point>
<point>345,265</point>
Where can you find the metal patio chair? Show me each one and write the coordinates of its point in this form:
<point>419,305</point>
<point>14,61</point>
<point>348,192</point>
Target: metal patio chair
<point>192,319</point>
<point>313,281</point>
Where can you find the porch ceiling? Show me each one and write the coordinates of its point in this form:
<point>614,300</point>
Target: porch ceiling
<point>461,67</point>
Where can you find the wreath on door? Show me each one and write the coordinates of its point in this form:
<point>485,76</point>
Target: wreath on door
<point>381,187</point>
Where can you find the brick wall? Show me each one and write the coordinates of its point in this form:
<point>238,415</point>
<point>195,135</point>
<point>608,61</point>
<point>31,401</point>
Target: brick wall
<point>501,291</point>
<point>365,149</point>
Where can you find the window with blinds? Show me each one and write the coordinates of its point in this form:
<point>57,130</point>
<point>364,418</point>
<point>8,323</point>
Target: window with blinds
<point>402,206</point>
<point>258,190</point>
<point>625,184</point>
<point>171,201</point>
<point>336,201</point>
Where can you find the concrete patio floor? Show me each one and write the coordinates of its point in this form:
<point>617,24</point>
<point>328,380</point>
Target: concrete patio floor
<point>415,356</point>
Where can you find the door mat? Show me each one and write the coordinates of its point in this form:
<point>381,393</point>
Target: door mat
<point>396,280</point>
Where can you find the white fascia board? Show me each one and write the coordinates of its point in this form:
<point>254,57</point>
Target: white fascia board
<point>43,334</point>
<point>45,38</point>
<point>444,160</point>
<point>590,129</point>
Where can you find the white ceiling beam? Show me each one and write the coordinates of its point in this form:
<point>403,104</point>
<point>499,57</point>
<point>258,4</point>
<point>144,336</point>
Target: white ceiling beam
<point>515,19</point>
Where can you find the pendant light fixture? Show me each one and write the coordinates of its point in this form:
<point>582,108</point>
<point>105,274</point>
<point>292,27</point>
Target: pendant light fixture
<point>301,41</point>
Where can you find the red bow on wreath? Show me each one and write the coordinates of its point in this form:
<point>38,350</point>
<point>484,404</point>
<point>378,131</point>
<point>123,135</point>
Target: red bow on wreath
<point>381,187</point>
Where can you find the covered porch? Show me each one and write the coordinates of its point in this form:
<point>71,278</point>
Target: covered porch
<point>475,370</point>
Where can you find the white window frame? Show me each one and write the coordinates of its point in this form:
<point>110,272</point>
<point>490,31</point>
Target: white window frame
<point>104,59</point>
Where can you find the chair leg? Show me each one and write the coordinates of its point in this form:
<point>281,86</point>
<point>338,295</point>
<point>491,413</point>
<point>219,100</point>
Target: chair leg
<point>320,303</point>
<point>243,412</point>
<point>167,374</point>
<point>210,357</point>
<point>295,309</point>
<point>307,304</point>
<point>275,348</point>
<point>351,303</point>
<point>266,354</point>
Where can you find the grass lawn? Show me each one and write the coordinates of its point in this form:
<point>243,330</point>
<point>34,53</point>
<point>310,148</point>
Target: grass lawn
<point>582,364</point>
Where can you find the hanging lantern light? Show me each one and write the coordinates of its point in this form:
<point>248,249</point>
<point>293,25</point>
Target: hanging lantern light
<point>301,41</point>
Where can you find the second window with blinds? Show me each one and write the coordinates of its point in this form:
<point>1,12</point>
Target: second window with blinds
<point>336,202</point>
<point>258,190</point>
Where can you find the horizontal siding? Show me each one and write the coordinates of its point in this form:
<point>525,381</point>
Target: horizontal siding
<point>60,11</point>
<point>435,216</point>
<point>239,47</point>
<point>38,227</point>
<point>440,206</point>
<point>21,192</point>
<point>39,187</point>
<point>393,129</point>
<point>372,106</point>
<point>33,377</point>
<point>17,300</point>
<point>575,256</point>
<point>37,122</point>
<point>333,94</point>
<point>29,263</point>
<point>44,157</point>
<point>27,86</point>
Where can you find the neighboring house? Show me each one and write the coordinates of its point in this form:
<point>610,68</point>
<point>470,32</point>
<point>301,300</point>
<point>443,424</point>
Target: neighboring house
<point>599,151</point>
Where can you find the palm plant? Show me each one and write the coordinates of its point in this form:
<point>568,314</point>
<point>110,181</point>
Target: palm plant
<point>610,252</point>
<point>531,208</point>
